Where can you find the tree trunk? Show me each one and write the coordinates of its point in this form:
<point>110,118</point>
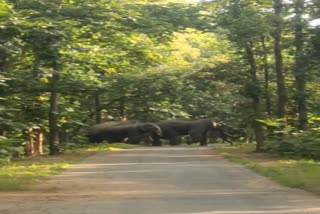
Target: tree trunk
<point>3,60</point>
<point>146,112</point>
<point>257,126</point>
<point>54,141</point>
<point>35,108</point>
<point>299,69</point>
<point>36,66</point>
<point>277,36</point>
<point>97,109</point>
<point>266,75</point>
<point>122,109</point>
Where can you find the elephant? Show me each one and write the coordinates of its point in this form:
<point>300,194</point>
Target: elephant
<point>121,131</point>
<point>226,133</point>
<point>196,129</point>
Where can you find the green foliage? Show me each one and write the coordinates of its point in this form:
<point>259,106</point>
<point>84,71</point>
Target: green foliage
<point>304,144</point>
<point>252,90</point>
<point>244,21</point>
<point>154,59</point>
<point>9,148</point>
<point>110,147</point>
<point>76,147</point>
<point>23,171</point>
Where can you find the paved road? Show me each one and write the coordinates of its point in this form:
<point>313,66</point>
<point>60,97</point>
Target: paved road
<point>159,181</point>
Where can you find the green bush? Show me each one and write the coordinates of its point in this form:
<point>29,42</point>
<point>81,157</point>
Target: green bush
<point>303,144</point>
<point>9,148</point>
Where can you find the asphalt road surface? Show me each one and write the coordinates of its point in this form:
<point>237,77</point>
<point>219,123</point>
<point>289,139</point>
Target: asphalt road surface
<point>164,180</point>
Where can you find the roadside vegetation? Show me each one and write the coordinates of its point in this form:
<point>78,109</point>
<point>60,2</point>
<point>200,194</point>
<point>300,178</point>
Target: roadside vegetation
<point>23,171</point>
<point>288,171</point>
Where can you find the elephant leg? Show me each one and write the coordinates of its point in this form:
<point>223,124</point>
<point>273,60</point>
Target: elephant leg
<point>203,142</point>
<point>174,140</point>
<point>156,141</point>
<point>172,136</point>
<point>202,138</point>
<point>194,137</point>
<point>133,140</point>
<point>146,141</point>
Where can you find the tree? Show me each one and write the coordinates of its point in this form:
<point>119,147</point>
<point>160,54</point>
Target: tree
<point>277,36</point>
<point>299,67</point>
<point>246,23</point>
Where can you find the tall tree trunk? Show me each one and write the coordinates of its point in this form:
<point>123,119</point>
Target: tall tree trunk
<point>146,112</point>
<point>3,59</point>
<point>300,64</point>
<point>257,126</point>
<point>97,108</point>
<point>266,75</point>
<point>54,141</point>
<point>36,65</point>
<point>277,36</point>
<point>122,109</point>
<point>35,108</point>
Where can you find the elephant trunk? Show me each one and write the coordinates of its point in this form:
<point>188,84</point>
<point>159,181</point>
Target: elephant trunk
<point>158,131</point>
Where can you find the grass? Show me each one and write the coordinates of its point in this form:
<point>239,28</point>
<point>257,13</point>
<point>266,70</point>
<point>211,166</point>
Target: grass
<point>24,171</point>
<point>296,173</point>
<point>110,147</point>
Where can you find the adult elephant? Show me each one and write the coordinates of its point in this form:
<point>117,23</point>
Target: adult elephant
<point>120,131</point>
<point>196,129</point>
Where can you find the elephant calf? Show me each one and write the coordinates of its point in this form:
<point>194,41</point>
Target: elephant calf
<point>121,131</point>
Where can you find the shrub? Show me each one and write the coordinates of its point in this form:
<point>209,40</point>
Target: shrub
<point>9,148</point>
<point>304,144</point>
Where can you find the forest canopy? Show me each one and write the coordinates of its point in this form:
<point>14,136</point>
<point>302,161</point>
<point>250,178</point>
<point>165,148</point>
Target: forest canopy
<point>68,64</point>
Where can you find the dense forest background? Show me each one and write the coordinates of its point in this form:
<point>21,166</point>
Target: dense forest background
<point>68,64</point>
